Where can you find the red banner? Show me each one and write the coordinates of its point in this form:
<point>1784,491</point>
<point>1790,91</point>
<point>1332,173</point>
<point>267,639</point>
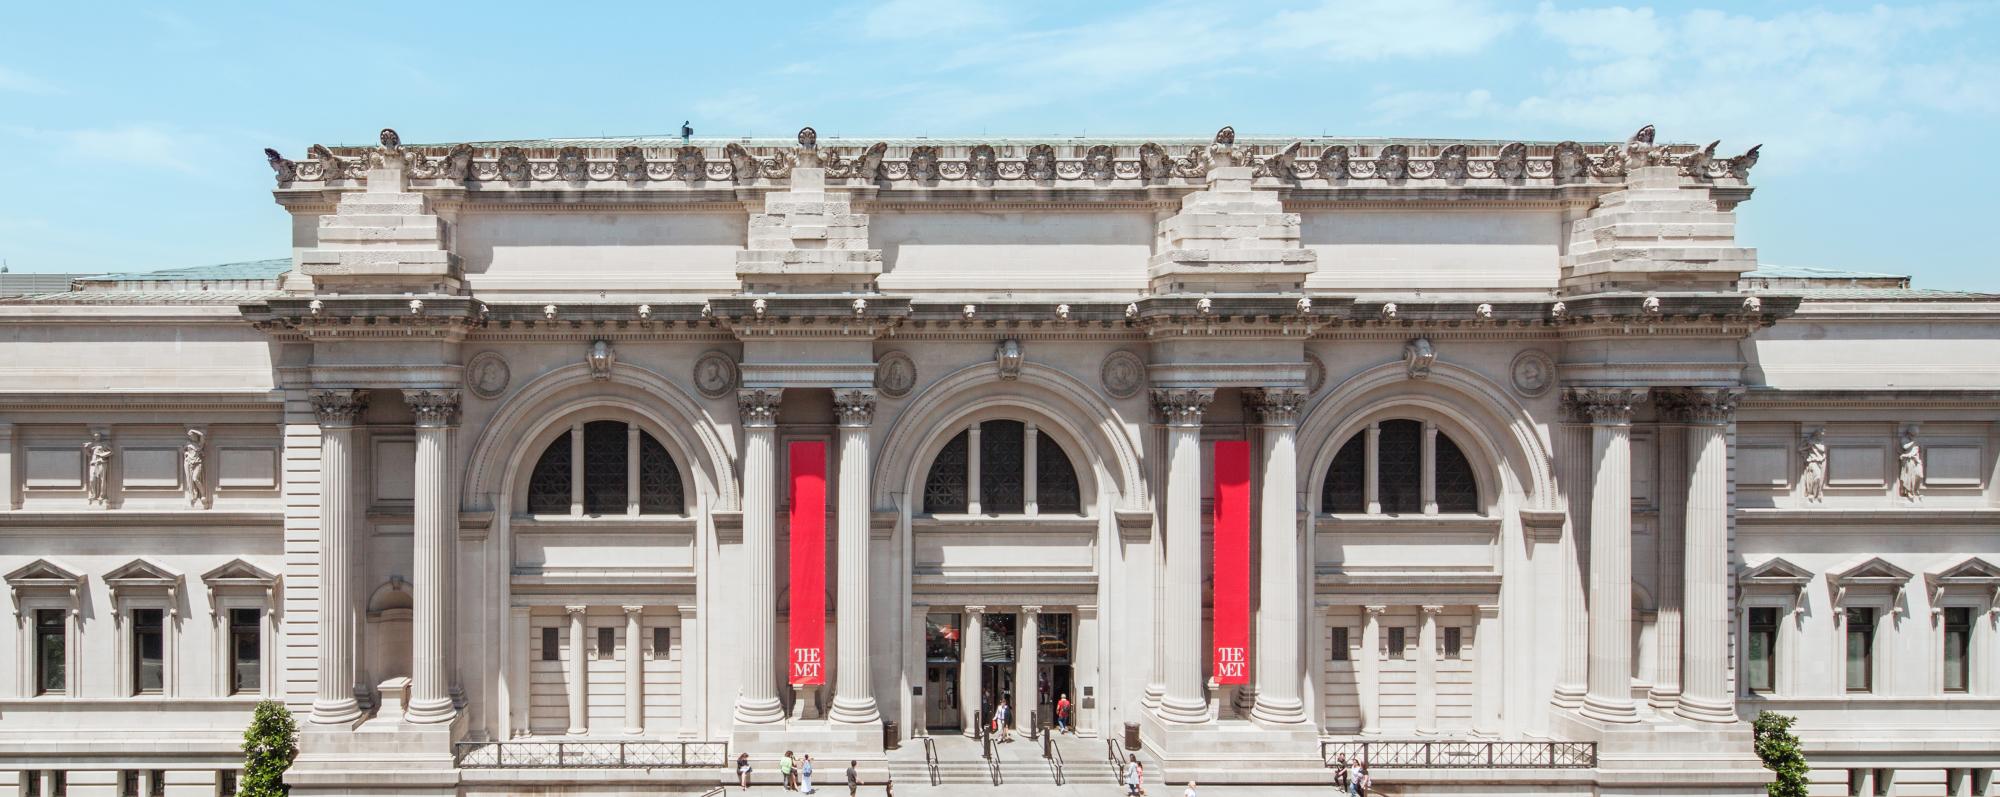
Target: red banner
<point>807,460</point>
<point>1232,561</point>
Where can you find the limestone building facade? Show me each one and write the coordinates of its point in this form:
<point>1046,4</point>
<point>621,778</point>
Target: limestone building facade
<point>1269,451</point>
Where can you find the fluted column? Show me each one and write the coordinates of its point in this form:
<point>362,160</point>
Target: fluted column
<point>337,411</point>
<point>1427,662</point>
<point>1277,660</point>
<point>635,672</point>
<point>579,672</point>
<point>853,699</point>
<point>1027,664</point>
<point>1368,669</point>
<point>1705,693</point>
<point>435,545</point>
<point>1572,552</point>
<point>758,701</point>
<point>1609,698</point>
<point>1181,409</point>
<point>970,670</point>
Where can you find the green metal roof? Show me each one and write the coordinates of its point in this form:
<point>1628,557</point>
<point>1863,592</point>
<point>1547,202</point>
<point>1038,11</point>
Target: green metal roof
<point>247,270</point>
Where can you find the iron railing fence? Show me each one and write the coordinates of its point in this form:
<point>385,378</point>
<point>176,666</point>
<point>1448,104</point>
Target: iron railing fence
<point>1443,754</point>
<point>593,755</point>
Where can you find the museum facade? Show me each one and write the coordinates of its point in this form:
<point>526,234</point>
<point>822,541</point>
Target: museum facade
<point>1259,452</point>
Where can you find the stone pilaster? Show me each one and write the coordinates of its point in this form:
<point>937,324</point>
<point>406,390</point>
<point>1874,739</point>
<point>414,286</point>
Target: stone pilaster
<point>579,672</point>
<point>1180,409</point>
<point>1231,237</point>
<point>1609,410</point>
<point>808,239</point>
<point>969,671</point>
<point>757,410</point>
<point>1705,695</point>
<point>1488,691</point>
<point>853,698</point>
<point>1573,471</point>
<point>1661,230</point>
<point>1277,660</point>
<point>635,671</point>
<point>435,546</point>
<point>1027,665</point>
<point>337,411</point>
<point>1427,659</point>
<point>1368,668</point>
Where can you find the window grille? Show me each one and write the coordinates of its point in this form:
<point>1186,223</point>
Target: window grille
<point>604,468</point>
<point>548,488</point>
<point>1056,491</point>
<point>660,490</point>
<point>1002,466</point>
<point>944,488</point>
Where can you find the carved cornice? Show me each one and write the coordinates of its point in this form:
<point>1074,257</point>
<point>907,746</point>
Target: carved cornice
<point>433,408</point>
<point>854,407</point>
<point>339,407</point>
<point>1182,406</point>
<point>1602,405</point>
<point>1706,406</point>
<point>1275,406</point>
<point>758,407</point>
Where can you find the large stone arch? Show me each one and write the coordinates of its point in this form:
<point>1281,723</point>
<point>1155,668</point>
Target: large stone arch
<point>1076,412</point>
<point>1485,422</point>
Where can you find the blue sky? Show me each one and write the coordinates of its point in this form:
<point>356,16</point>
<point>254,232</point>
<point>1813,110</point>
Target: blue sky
<point>131,136</point>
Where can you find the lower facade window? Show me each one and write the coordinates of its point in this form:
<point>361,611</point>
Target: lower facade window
<point>607,643</point>
<point>1454,645</point>
<point>1860,650</point>
<point>51,652</point>
<point>1396,642</point>
<point>1339,652</point>
<point>551,644</point>
<point>1760,651</point>
<point>149,647</point>
<point>663,642</point>
<point>1957,649</point>
<point>246,651</point>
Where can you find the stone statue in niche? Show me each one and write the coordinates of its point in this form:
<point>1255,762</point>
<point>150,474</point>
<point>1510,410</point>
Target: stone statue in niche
<point>1813,480</point>
<point>1910,483</point>
<point>98,471</point>
<point>194,471</point>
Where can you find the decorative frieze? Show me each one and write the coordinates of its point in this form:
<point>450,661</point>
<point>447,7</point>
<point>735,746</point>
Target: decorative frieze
<point>1182,406</point>
<point>1602,405</point>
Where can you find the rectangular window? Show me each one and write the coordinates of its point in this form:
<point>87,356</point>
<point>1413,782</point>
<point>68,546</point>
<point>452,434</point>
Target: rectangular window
<point>607,643</point>
<point>128,783</point>
<point>1396,642</point>
<point>149,647</point>
<point>1883,778</point>
<point>1453,644</point>
<point>51,651</point>
<point>551,644</point>
<point>1957,648</point>
<point>59,783</point>
<point>1339,644</point>
<point>246,651</point>
<point>1760,651</point>
<point>1860,650</point>
<point>33,777</point>
<point>663,643</point>
<point>941,638</point>
<point>159,781</point>
<point>228,783</point>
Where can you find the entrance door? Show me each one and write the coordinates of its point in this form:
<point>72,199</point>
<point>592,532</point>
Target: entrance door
<point>996,684</point>
<point>941,698</point>
<point>1054,682</point>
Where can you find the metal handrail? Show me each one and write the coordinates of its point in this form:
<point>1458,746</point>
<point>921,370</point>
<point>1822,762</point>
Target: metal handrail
<point>931,760</point>
<point>1111,751</point>
<point>715,791</point>
<point>1444,754</point>
<point>592,755</point>
<point>993,769</point>
<point>1053,752</point>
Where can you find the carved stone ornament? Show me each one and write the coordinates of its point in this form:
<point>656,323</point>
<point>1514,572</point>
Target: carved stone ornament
<point>97,470</point>
<point>1812,481</point>
<point>1275,406</point>
<point>714,374</point>
<point>1533,372</point>
<point>1123,373</point>
<point>486,375</point>
<point>432,407</point>
<point>599,356</point>
<point>1484,311</point>
<point>1008,356</point>
<point>1315,374</point>
<point>854,406</point>
<point>895,374</point>
<point>1699,405</point>
<point>1606,405</point>
<point>194,471</point>
<point>1182,406</point>
<point>342,407</point>
<point>759,406</point>
<point>1418,355</point>
<point>1910,479</point>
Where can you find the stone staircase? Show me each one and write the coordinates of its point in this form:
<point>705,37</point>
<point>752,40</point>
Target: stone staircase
<point>1020,764</point>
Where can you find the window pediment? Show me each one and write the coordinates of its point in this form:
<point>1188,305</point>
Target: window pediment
<point>1970,575</point>
<point>44,577</point>
<point>1776,572</point>
<point>144,577</point>
<point>1871,575</point>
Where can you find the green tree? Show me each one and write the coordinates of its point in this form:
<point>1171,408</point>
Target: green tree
<point>269,745</point>
<point>1779,749</point>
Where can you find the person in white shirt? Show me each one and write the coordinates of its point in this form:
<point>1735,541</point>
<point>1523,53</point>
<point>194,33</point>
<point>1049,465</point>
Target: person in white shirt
<point>1190,790</point>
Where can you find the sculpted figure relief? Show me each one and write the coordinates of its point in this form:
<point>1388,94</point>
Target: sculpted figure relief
<point>98,470</point>
<point>1813,480</point>
<point>194,471</point>
<point>1910,483</point>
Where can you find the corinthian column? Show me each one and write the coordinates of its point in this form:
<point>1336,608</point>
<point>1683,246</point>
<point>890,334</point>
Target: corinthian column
<point>436,521</point>
<point>1181,409</point>
<point>853,700</point>
<point>337,411</point>
<point>1705,693</point>
<point>1277,661</point>
<point>1609,410</point>
<point>758,410</point>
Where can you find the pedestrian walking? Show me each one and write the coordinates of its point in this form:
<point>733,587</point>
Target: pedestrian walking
<point>1062,714</point>
<point>743,770</point>
<point>1352,776</point>
<point>853,779</point>
<point>1340,772</point>
<point>1001,715</point>
<point>789,771</point>
<point>1363,782</point>
<point>806,775</point>
<point>1190,790</point>
<point>1132,776</point>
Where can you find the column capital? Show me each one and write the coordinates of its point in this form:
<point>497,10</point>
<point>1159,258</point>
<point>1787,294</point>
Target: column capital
<point>1031,610</point>
<point>1604,406</point>
<point>1375,609</point>
<point>1182,406</point>
<point>339,407</point>
<point>1488,610</point>
<point>854,407</point>
<point>632,610</point>
<point>433,407</point>
<point>1432,609</point>
<point>1275,406</point>
<point>758,406</point>
<point>975,610</point>
<point>576,609</point>
<point>1700,406</point>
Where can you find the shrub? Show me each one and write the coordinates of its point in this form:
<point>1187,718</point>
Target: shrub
<point>269,745</point>
<point>1779,749</point>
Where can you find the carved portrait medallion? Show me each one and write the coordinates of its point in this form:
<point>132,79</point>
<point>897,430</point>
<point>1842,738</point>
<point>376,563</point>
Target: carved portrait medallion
<point>486,375</point>
<point>1123,374</point>
<point>1315,374</point>
<point>895,374</point>
<point>714,374</point>
<point>1534,372</point>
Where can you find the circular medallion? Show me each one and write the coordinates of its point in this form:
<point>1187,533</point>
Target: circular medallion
<point>1123,374</point>
<point>1315,374</point>
<point>895,374</point>
<point>486,375</point>
<point>1533,373</point>
<point>714,374</point>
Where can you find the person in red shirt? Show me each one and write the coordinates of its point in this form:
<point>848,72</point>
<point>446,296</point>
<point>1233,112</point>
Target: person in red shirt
<point>1062,714</point>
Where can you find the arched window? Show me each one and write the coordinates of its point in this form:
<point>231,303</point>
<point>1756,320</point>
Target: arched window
<point>609,461</point>
<point>1020,471</point>
<point>1400,467</point>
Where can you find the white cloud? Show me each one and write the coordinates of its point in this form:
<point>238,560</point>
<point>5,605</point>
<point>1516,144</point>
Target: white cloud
<point>12,80</point>
<point>1370,30</point>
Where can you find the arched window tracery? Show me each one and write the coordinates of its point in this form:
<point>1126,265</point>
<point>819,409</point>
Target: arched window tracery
<point>1401,464</point>
<point>1019,471</point>
<point>615,457</point>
